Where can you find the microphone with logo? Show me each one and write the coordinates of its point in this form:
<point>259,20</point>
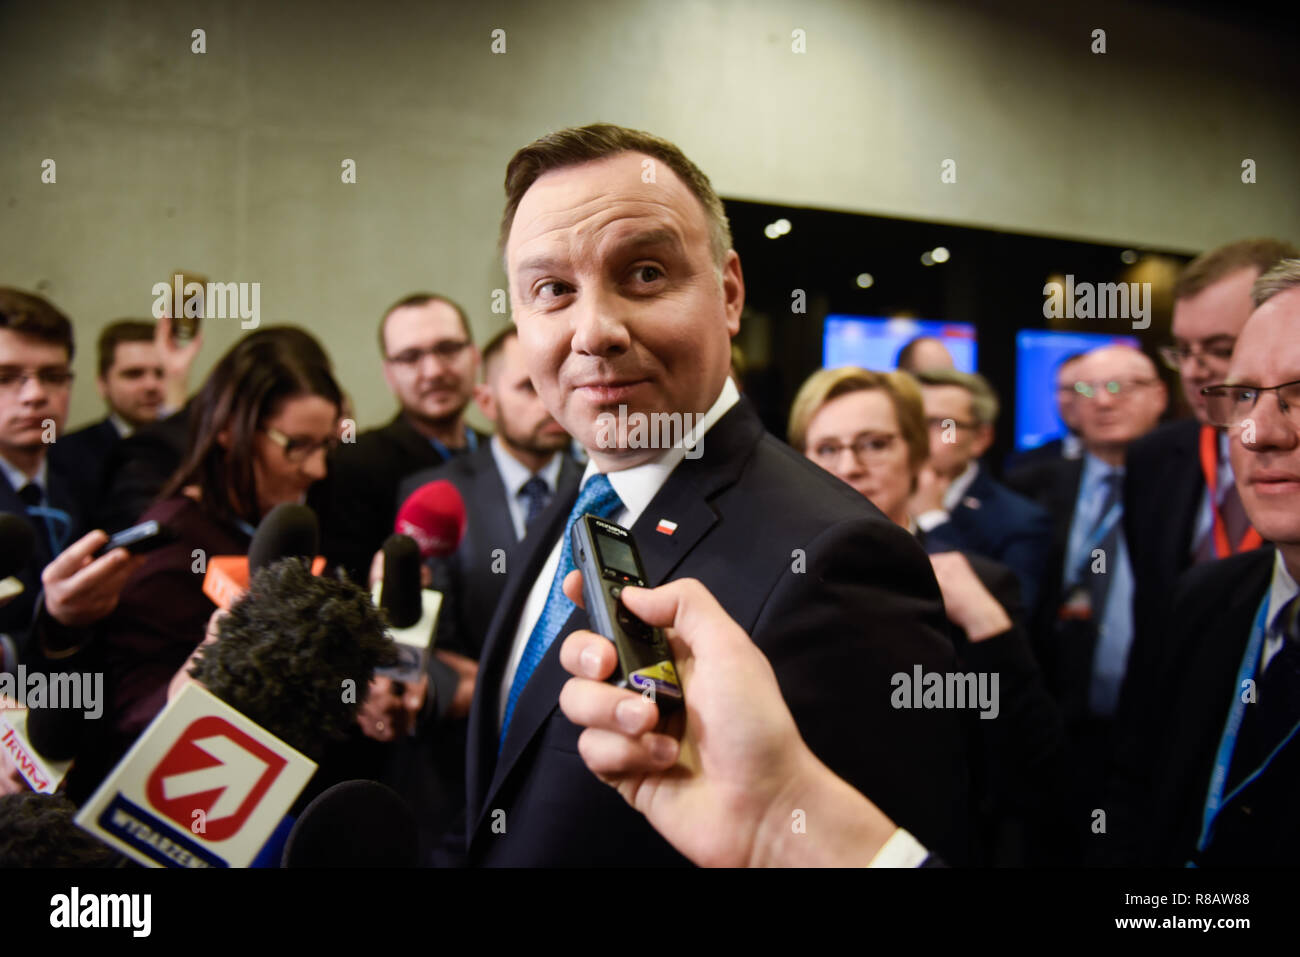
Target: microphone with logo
<point>287,531</point>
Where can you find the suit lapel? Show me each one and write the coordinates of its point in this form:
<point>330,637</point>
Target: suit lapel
<point>683,499</point>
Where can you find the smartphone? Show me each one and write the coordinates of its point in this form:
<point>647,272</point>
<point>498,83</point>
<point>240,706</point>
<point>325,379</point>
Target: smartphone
<point>607,556</point>
<point>139,539</point>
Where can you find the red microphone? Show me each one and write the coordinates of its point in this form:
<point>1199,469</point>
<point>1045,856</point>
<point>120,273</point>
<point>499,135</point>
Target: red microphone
<point>433,515</point>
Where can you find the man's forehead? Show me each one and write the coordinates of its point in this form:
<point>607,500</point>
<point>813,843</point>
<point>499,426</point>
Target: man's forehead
<point>431,320</point>
<point>1270,341</point>
<point>607,198</point>
<point>14,347</point>
<point>1116,360</point>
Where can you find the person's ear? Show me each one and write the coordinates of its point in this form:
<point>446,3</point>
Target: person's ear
<point>733,291</point>
<point>983,439</point>
<point>102,385</point>
<point>486,401</point>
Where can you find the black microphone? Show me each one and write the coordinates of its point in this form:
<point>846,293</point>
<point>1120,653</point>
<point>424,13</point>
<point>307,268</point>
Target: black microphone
<point>400,597</point>
<point>57,733</point>
<point>287,531</point>
<point>354,824</point>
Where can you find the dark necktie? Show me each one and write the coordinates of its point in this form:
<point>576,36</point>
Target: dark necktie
<point>1277,706</point>
<point>536,495</point>
<point>30,494</point>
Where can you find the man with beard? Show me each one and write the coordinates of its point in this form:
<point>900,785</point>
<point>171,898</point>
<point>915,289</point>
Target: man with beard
<point>507,483</point>
<point>430,363</point>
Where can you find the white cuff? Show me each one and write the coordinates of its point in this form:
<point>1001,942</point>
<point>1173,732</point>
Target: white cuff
<point>901,850</point>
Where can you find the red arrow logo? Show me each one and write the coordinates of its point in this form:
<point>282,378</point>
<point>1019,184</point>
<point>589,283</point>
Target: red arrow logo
<point>215,768</point>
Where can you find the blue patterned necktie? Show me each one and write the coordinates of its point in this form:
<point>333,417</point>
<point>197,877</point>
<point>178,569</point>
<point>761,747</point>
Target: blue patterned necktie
<point>599,498</point>
<point>536,495</point>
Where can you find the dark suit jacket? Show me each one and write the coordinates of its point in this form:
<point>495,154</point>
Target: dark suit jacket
<point>428,768</point>
<point>1039,455</point>
<point>839,599</point>
<point>364,476</point>
<point>1164,769</point>
<point>137,468</point>
<point>1163,487</point>
<point>993,521</point>
<point>467,578</point>
<point>16,616</point>
<point>83,456</point>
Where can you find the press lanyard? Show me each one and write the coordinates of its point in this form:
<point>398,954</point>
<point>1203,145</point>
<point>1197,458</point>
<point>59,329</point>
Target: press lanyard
<point>50,517</point>
<point>1099,533</point>
<point>1210,467</point>
<point>1214,799</point>
<point>471,445</point>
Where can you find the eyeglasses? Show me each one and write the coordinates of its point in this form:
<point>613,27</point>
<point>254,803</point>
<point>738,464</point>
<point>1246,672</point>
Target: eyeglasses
<point>1218,350</point>
<point>865,448</point>
<point>1227,406</point>
<point>1115,387</point>
<point>300,450</point>
<point>445,351</point>
<point>12,379</point>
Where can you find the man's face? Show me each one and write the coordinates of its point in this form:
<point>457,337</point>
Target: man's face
<point>1267,469</point>
<point>617,299</point>
<point>26,403</point>
<point>133,385</point>
<point>509,400</point>
<point>955,438</point>
<point>430,363</point>
<point>1127,396</point>
<point>1207,325</point>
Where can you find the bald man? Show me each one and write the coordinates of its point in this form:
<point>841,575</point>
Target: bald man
<point>1087,623</point>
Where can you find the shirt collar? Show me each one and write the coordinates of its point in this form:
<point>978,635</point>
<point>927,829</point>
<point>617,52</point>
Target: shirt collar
<point>1282,590</point>
<point>514,473</point>
<point>1094,470</point>
<point>957,490</point>
<point>124,428</point>
<point>638,485</point>
<point>18,478</point>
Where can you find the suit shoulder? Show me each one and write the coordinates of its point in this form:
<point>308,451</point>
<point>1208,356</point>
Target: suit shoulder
<point>1180,436</point>
<point>804,490</point>
<point>1209,584</point>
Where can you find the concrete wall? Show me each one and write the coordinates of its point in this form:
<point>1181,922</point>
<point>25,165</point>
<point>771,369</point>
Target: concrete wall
<point>228,163</point>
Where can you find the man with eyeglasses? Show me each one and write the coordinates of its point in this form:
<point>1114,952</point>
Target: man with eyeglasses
<point>1086,626</point>
<point>1215,776</point>
<point>36,349</point>
<point>430,364</point>
<point>958,504</point>
<point>1180,504</point>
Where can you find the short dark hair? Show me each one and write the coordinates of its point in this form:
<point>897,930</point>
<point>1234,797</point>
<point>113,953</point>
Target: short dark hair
<point>115,333</point>
<point>420,299</point>
<point>30,315</point>
<point>577,145</point>
<point>496,345</point>
<point>297,637</point>
<point>246,386</point>
<point>1209,267</point>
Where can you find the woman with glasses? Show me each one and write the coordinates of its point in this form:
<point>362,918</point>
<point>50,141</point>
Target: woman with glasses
<point>261,430</point>
<point>869,429</point>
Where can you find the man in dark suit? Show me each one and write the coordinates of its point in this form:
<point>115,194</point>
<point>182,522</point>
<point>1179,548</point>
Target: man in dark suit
<point>1024,470</point>
<point>1214,776</point>
<point>957,503</point>
<point>430,363</point>
<point>1169,520</point>
<point>507,484</point>
<point>626,293</point>
<point>1085,628</point>
<point>36,347</point>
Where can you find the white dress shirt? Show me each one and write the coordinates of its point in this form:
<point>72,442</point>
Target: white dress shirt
<point>18,478</point>
<point>636,487</point>
<point>514,474</point>
<point>1281,591</point>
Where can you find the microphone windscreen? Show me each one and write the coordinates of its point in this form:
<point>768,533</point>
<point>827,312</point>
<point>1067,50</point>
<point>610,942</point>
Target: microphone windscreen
<point>56,733</point>
<point>17,542</point>
<point>434,516</point>
<point>354,824</point>
<point>287,531</point>
<point>400,597</point>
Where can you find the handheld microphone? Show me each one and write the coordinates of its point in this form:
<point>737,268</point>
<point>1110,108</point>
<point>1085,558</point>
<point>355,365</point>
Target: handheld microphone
<point>354,824</point>
<point>17,542</point>
<point>287,531</point>
<point>433,515</point>
<point>412,610</point>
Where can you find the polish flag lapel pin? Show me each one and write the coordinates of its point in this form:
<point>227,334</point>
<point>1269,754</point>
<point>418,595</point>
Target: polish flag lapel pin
<point>666,527</point>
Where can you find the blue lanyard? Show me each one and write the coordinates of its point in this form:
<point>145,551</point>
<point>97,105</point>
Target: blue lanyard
<point>1100,531</point>
<point>1214,799</point>
<point>471,445</point>
<point>50,518</point>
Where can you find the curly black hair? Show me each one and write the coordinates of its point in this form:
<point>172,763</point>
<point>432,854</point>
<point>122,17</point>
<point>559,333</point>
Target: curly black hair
<point>37,830</point>
<point>288,648</point>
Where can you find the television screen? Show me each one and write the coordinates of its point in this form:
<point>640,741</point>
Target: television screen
<point>873,342</point>
<point>1038,353</point>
